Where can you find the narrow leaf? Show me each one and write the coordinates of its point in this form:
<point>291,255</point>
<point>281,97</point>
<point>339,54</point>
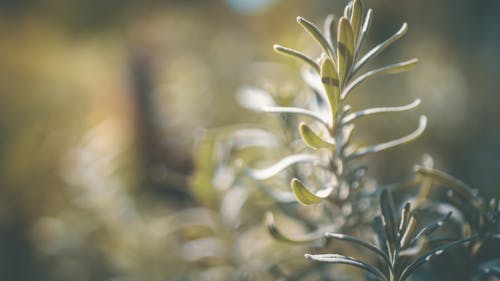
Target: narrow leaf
<point>359,242</point>
<point>254,98</point>
<point>317,35</point>
<point>294,110</point>
<point>330,80</point>
<point>405,215</point>
<point>298,55</point>
<point>262,174</point>
<point>388,215</point>
<point>391,69</point>
<point>334,258</point>
<point>312,139</point>
<point>408,233</point>
<point>380,47</point>
<point>431,254</point>
<point>364,30</point>
<point>345,48</point>
<point>378,110</point>
<point>356,19</point>
<point>390,144</point>
<point>329,29</point>
<point>278,235</point>
<point>306,197</point>
<point>431,227</point>
<point>457,185</point>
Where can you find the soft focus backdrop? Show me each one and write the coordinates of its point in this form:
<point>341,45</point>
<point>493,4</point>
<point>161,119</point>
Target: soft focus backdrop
<point>101,103</point>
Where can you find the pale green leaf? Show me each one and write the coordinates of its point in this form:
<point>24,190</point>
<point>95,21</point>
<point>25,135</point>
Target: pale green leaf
<point>277,234</point>
<point>306,197</point>
<point>312,139</point>
<point>379,48</point>
<point>265,173</point>
<point>298,55</point>
<point>317,35</point>
<point>377,110</point>
<point>330,80</point>
<point>390,69</point>
<point>345,48</point>
<point>356,19</point>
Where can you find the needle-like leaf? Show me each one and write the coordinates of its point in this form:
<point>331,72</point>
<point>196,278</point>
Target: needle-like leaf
<point>391,69</point>
<point>377,110</point>
<point>334,258</point>
<point>359,242</point>
<point>296,54</point>
<point>390,144</point>
<point>379,48</point>
<point>318,36</point>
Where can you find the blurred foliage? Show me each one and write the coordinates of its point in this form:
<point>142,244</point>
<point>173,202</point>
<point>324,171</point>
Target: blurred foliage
<point>94,159</point>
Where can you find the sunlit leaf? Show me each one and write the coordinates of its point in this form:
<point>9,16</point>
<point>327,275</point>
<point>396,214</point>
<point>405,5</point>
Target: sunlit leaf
<point>405,216</point>
<point>390,144</point>
<point>312,139</point>
<point>334,258</point>
<point>296,54</point>
<point>345,48</point>
<point>359,242</point>
<point>254,98</point>
<point>306,197</point>
<point>356,18</point>
<point>329,29</point>
<point>330,81</point>
<point>262,174</point>
<point>294,110</point>
<point>391,69</point>
<point>379,48</point>
<point>317,35</point>
<point>278,234</point>
<point>408,232</point>
<point>378,110</point>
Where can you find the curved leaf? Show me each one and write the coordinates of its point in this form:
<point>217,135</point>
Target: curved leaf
<point>296,54</point>
<point>278,235</point>
<point>390,144</point>
<point>262,174</point>
<point>329,29</point>
<point>294,110</point>
<point>359,242</point>
<point>254,98</point>
<point>377,110</point>
<point>306,197</point>
<point>334,258</point>
<point>431,254</point>
<point>390,69</point>
<point>431,227</point>
<point>408,232</point>
<point>317,35</point>
<point>364,30</point>
<point>312,139</point>
<point>380,47</point>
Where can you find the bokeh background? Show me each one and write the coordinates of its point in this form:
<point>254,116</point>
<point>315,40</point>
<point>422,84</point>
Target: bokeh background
<point>101,103</point>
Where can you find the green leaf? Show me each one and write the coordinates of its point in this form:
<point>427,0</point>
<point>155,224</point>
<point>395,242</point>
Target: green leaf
<point>298,55</point>
<point>312,139</point>
<point>317,35</point>
<point>405,215</point>
<point>390,69</point>
<point>390,144</point>
<point>431,227</point>
<point>408,233</point>
<point>356,19</point>
<point>334,258</point>
<point>388,215</point>
<point>306,197</point>
<point>265,173</point>
<point>379,48</point>
<point>443,178</point>
<point>378,110</point>
<point>431,254</point>
<point>359,242</point>
<point>345,48</point>
<point>295,110</point>
<point>330,80</point>
<point>278,235</point>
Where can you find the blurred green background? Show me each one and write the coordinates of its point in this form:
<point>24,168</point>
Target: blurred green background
<point>101,101</point>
